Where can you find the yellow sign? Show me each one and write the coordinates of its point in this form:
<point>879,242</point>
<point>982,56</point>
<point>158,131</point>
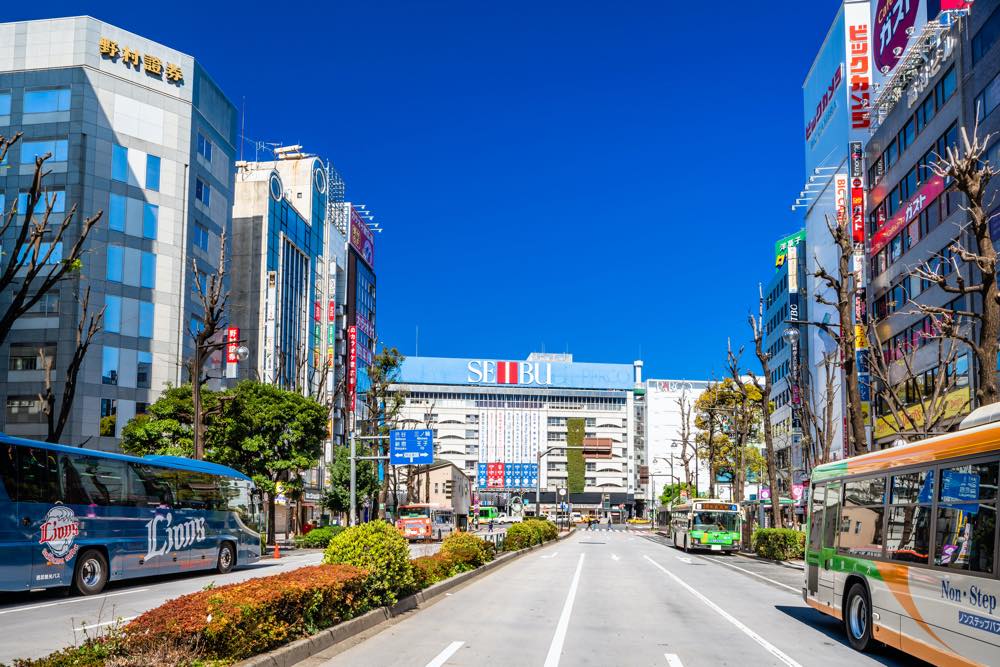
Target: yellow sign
<point>153,66</point>
<point>956,403</point>
<point>860,339</point>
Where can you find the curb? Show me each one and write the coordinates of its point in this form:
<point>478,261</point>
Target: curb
<point>305,648</point>
<point>782,563</point>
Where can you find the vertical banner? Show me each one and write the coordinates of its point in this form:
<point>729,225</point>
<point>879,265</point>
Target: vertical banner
<point>856,160</point>
<point>857,193</point>
<point>352,367</point>
<point>793,312</point>
<point>232,343</point>
<point>859,67</point>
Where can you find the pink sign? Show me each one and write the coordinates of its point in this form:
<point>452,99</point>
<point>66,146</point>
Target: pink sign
<point>765,493</point>
<point>927,193</point>
<point>796,492</point>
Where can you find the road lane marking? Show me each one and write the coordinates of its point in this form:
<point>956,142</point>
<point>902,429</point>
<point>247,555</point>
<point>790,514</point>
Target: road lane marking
<point>685,559</point>
<point>555,649</point>
<point>552,555</point>
<point>797,591</point>
<point>443,656</point>
<point>100,625</point>
<point>614,557</point>
<point>81,599</point>
<point>768,646</point>
<point>673,660</point>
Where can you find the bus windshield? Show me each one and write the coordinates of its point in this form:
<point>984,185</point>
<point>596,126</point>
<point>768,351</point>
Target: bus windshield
<point>727,521</point>
<point>413,512</point>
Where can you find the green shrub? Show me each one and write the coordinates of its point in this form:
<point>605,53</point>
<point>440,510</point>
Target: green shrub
<point>429,570</point>
<point>317,538</point>
<point>468,549</point>
<point>91,653</point>
<point>383,552</point>
<point>550,531</point>
<point>779,543</point>
<point>237,621</point>
<point>519,536</point>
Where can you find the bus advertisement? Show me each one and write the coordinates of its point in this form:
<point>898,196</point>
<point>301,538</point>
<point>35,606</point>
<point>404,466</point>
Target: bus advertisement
<point>706,524</point>
<point>80,518</point>
<point>902,544</point>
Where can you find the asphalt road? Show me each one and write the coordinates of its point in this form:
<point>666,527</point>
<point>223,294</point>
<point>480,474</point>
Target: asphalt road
<point>616,598</point>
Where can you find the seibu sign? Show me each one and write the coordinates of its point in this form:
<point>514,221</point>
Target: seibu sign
<point>510,372</point>
<point>927,193</point>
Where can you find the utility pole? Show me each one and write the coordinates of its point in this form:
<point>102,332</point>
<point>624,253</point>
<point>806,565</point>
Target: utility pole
<point>354,469</point>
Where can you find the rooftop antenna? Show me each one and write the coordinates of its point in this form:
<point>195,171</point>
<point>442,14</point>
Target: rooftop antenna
<point>243,128</point>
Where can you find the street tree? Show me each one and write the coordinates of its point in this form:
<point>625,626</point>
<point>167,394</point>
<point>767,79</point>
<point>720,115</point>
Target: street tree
<point>729,421</point>
<point>688,448</point>
<point>819,424</point>
<point>671,492</point>
<point>338,497</point>
<point>167,426</point>
<point>40,246</point>
<point>841,291</point>
<point>88,326</point>
<point>383,407</point>
<point>969,172</point>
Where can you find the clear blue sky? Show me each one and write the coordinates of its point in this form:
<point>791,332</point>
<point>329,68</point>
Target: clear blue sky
<point>602,177</point>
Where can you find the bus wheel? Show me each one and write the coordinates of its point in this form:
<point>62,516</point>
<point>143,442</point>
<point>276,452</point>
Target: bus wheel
<point>858,618</point>
<point>227,558</point>
<point>91,573</point>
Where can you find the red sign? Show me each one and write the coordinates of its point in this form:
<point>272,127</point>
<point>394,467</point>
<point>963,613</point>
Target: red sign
<point>858,210</point>
<point>352,366</point>
<point>857,60</point>
<point>331,313</point>
<point>317,311</point>
<point>494,475</point>
<point>927,193</point>
<point>232,343</point>
<point>824,102</point>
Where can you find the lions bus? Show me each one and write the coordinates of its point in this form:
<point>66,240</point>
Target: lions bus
<point>902,545</point>
<point>80,518</point>
<point>705,524</point>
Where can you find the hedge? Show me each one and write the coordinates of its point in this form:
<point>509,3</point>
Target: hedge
<point>380,549</point>
<point>318,538</point>
<point>529,532</point>
<point>467,549</point>
<point>779,543</point>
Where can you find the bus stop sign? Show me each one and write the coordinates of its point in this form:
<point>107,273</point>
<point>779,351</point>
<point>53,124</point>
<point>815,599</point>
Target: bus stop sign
<point>411,447</point>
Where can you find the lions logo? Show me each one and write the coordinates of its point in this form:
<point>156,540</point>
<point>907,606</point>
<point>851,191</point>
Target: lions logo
<point>58,532</point>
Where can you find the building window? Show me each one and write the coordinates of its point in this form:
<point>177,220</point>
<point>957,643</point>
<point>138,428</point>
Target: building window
<point>116,213</point>
<point>148,270</point>
<point>114,268</point>
<point>202,192</point>
<point>4,104</point>
<point>145,319</point>
<point>112,313</point>
<point>143,370</point>
<point>28,357</point>
<point>204,147</point>
<point>109,365</point>
<point>986,36</point>
<point>46,101</point>
<point>59,148</point>
<point>109,415</point>
<point>200,236</point>
<point>119,163</point>
<point>153,173</point>
<point>47,306</point>
<point>57,198</point>
<point>141,408</point>
<point>150,219</point>
<point>24,410</point>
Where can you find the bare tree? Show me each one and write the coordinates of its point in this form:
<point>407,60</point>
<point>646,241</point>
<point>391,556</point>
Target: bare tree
<point>87,327</point>
<point>821,426</point>
<point>931,407</point>
<point>971,173</point>
<point>845,290</point>
<point>688,451</point>
<point>36,260</point>
<point>212,296</point>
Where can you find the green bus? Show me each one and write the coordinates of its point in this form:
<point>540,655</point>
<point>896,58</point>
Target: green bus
<point>706,524</point>
<point>487,514</point>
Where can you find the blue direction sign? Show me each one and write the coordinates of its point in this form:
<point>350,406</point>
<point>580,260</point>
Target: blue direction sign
<point>408,447</point>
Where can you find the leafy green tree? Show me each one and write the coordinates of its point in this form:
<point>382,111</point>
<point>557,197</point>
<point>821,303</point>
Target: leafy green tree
<point>382,408</point>
<point>338,497</point>
<point>167,425</point>
<point>671,492</point>
<point>728,421</point>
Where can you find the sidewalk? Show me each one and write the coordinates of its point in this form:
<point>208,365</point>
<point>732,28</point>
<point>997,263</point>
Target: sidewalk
<point>796,563</point>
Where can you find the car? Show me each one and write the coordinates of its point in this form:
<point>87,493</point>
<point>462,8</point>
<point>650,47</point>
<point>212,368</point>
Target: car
<point>508,518</point>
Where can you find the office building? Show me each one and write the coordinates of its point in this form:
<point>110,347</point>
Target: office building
<point>493,419</point>
<point>139,131</point>
<point>670,433</point>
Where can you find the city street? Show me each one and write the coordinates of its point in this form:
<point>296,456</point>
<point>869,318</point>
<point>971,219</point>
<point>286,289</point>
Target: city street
<point>35,624</point>
<point>617,598</point>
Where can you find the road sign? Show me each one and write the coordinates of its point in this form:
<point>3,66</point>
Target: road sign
<point>408,447</point>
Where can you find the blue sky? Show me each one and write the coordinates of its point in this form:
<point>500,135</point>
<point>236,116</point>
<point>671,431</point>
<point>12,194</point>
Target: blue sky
<point>574,175</point>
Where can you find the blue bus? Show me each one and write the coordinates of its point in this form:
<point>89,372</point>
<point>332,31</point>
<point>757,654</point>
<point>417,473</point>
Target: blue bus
<point>78,517</point>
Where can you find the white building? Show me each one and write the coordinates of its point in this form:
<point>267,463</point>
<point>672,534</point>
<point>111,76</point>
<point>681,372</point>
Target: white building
<point>669,405</point>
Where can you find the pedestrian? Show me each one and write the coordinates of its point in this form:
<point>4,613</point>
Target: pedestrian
<point>491,525</point>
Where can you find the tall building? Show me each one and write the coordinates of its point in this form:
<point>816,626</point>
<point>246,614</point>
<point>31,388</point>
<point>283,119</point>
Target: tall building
<point>669,413</point>
<point>493,418</point>
<point>360,303</point>
<point>946,78</point>
<point>784,299</point>
<point>139,131</point>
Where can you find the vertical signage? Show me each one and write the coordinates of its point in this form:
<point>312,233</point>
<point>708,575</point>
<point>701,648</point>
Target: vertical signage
<point>352,367</point>
<point>857,192</point>
<point>859,71</point>
<point>793,313</point>
<point>232,343</point>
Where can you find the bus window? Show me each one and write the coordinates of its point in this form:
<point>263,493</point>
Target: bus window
<point>8,472</point>
<point>103,480</point>
<point>966,519</point>
<point>197,491</point>
<point>861,517</point>
<point>150,486</point>
<point>39,481</point>
<point>832,511</point>
<point>908,533</point>
<point>818,496</point>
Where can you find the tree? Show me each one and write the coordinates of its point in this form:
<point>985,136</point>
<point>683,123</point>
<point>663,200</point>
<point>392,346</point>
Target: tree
<point>732,416</point>
<point>212,295</point>
<point>672,492</point>
<point>383,409</point>
<point>764,389</point>
<point>820,424</point>
<point>38,257</point>
<point>844,288</point>
<point>87,327</point>
<point>688,448</point>
<point>338,497</point>
<point>167,427</point>
<point>970,174</point>
<point>709,422</point>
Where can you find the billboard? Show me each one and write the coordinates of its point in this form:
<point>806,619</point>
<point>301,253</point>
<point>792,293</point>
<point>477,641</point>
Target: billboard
<point>895,24</point>
<point>352,367</point>
<point>782,245</point>
<point>509,442</point>
<point>362,239</point>
<point>536,374</point>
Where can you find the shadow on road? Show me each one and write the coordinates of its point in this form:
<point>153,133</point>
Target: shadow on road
<point>834,631</point>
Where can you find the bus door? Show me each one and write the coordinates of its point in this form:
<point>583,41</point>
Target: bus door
<point>54,530</point>
<point>15,540</point>
<point>815,541</point>
<point>828,547</point>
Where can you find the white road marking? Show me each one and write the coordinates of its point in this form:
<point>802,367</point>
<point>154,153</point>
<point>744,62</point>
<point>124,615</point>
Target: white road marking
<point>760,576</point>
<point>685,559</point>
<point>768,646</point>
<point>552,555</point>
<point>614,557</point>
<point>81,599</point>
<point>99,625</point>
<point>673,660</point>
<point>555,649</point>
<point>443,656</point>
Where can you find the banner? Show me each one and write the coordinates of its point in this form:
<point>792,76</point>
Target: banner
<point>352,367</point>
